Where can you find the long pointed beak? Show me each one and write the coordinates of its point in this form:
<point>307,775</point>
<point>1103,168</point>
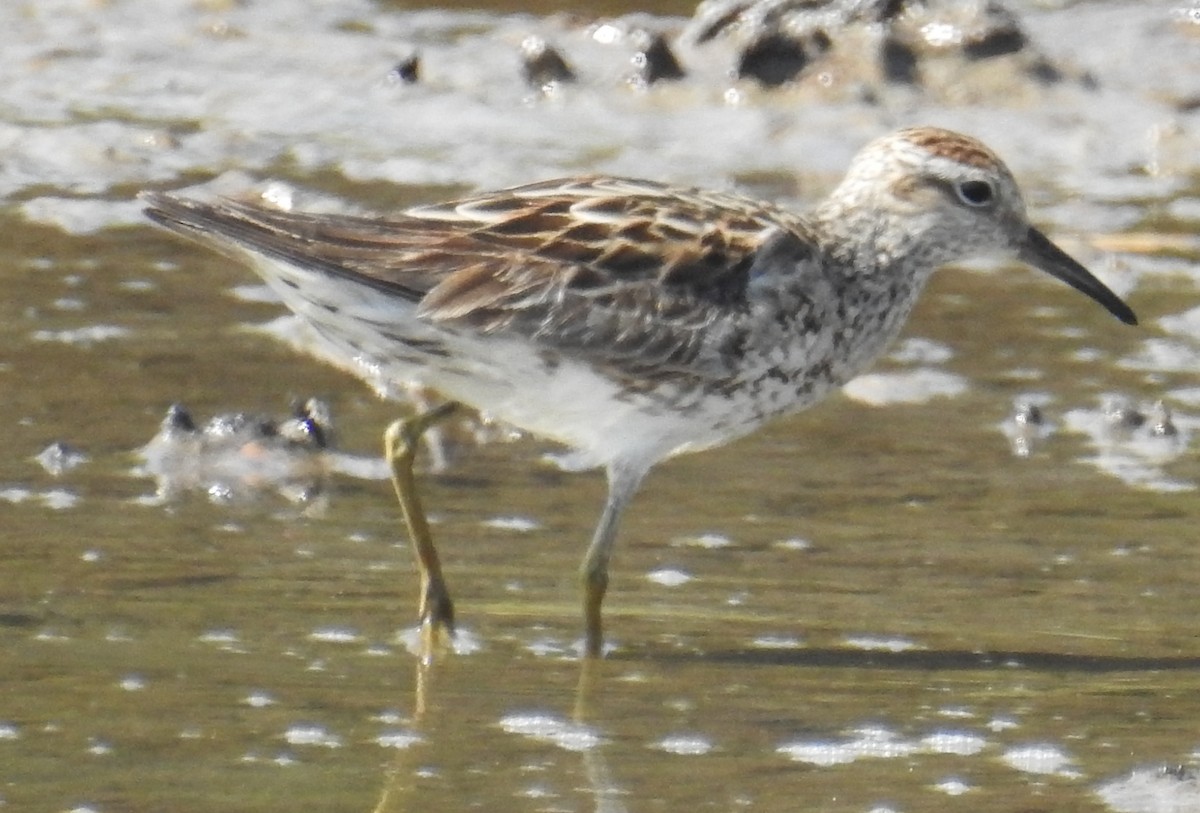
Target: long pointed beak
<point>1039,252</point>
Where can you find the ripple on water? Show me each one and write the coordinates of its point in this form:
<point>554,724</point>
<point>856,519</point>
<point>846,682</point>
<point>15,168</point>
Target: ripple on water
<point>398,740</point>
<point>335,635</point>
<point>59,458</point>
<point>82,336</point>
<point>133,683</point>
<point>960,743</point>
<point>259,699</point>
<point>916,386</point>
<point>465,641</point>
<point>867,743</point>
<point>685,745</point>
<point>795,543</point>
<point>98,747</point>
<point>1165,789</point>
<point>164,99</point>
<point>707,541</point>
<point>669,577</point>
<point>876,742</point>
<point>512,523</point>
<point>550,647</point>
<point>311,734</point>
<point>777,642</point>
<point>554,730</point>
<point>953,786</point>
<point>916,350</point>
<point>1171,355</point>
<point>218,636</point>
<point>57,499</point>
<point>881,643</point>
<point>1135,443</point>
<point>1040,758</point>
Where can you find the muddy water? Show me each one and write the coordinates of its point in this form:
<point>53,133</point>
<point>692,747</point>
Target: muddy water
<point>863,608</point>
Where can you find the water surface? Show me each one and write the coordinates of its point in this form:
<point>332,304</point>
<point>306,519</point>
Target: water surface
<point>873,606</point>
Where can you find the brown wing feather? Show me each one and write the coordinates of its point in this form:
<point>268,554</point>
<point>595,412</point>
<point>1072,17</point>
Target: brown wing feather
<point>594,238</point>
<point>599,266</point>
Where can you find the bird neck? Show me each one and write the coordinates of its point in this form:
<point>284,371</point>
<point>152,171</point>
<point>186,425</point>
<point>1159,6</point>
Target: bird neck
<point>876,247</point>
<point>880,264</point>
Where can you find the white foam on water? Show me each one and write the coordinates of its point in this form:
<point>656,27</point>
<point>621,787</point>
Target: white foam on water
<point>917,386</point>
<point>685,745</point>
<point>103,98</point>
<point>1174,789</point>
<point>1039,758</point>
<point>554,730</point>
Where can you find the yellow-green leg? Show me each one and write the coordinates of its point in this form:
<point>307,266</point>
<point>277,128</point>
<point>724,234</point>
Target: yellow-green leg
<point>435,609</point>
<point>623,482</point>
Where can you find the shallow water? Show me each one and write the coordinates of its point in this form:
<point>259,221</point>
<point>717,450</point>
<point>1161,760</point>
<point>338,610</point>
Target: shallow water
<point>879,605</point>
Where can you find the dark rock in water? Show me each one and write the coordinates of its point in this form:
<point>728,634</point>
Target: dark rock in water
<point>1153,788</point>
<point>1121,414</point>
<point>542,65</point>
<point>311,424</point>
<point>178,419</point>
<point>58,458</point>
<point>978,31</point>
<point>1044,72</point>
<point>773,60</point>
<point>959,52</point>
<point>1162,424</point>
<point>881,11</point>
<point>656,62</point>
<point>1026,427</point>
<point>1027,414</point>
<point>995,43</point>
<point>898,61</point>
<point>407,70</point>
<point>1183,773</point>
<point>237,455</point>
<point>818,41</point>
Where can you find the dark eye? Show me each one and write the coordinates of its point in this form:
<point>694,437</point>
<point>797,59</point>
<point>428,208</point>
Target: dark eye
<point>975,193</point>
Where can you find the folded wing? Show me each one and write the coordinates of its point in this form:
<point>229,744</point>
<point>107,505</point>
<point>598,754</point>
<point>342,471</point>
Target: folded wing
<point>620,272</point>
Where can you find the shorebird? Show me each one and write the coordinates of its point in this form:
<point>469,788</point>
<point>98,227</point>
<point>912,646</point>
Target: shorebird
<point>630,320</point>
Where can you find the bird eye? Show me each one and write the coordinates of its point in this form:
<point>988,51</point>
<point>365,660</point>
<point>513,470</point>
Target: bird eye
<point>975,193</point>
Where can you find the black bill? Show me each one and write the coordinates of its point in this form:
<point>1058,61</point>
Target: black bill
<point>1039,252</point>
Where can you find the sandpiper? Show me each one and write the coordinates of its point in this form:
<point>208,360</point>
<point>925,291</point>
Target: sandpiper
<point>630,320</point>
